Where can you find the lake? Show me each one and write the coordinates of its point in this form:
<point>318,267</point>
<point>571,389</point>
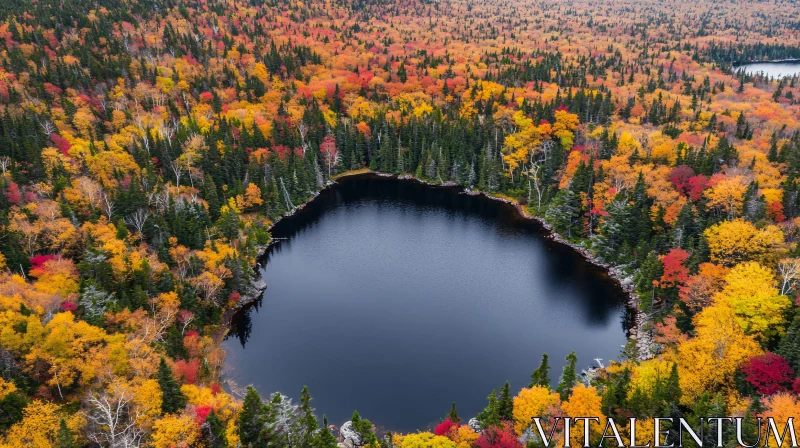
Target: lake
<point>772,69</point>
<point>396,298</point>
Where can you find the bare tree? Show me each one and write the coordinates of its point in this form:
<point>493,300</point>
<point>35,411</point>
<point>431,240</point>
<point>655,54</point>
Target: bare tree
<point>137,219</point>
<point>789,268</point>
<point>107,204</point>
<point>303,129</point>
<point>112,420</point>
<point>535,172</point>
<point>177,168</point>
<point>47,127</point>
<point>5,161</point>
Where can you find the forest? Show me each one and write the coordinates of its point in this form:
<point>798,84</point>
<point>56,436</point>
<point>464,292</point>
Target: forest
<point>146,146</point>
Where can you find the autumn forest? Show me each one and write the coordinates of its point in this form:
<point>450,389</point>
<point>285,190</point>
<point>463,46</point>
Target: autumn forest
<point>147,146</point>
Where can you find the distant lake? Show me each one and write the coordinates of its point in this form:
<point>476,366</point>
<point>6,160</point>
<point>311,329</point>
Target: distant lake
<point>772,69</point>
<point>396,299</point>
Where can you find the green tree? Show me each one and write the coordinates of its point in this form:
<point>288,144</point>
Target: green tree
<point>453,415</point>
<point>541,376</point>
<point>490,415</point>
<point>173,399</point>
<point>324,438</point>
<point>569,377</point>
<point>251,417</point>
<point>308,422</point>
<point>364,427</point>
<point>64,437</point>
<point>214,431</point>
<point>505,404</point>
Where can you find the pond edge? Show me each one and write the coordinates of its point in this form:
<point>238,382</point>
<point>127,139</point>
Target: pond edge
<point>637,332</point>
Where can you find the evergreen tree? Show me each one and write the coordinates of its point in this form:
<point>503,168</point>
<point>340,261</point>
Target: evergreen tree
<point>251,417</point>
<point>173,399</point>
<point>214,431</point>
<point>541,376</point>
<point>308,422</point>
<point>324,438</point>
<point>490,415</point>
<point>64,437</point>
<point>453,415</point>
<point>789,346</point>
<point>505,405</point>
<point>569,377</point>
<point>364,428</point>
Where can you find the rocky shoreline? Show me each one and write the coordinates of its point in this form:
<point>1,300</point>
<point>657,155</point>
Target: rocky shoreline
<point>638,332</point>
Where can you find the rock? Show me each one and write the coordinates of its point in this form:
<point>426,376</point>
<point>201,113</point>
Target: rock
<point>474,424</point>
<point>348,434</point>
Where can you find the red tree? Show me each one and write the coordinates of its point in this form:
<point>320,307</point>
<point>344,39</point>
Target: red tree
<point>444,428</point>
<point>775,211</point>
<point>498,437</point>
<point>675,273</point>
<point>201,414</point>
<point>187,371</point>
<point>696,186</point>
<point>61,143</point>
<point>12,193</point>
<point>330,152</point>
<point>679,176</point>
<point>768,373</point>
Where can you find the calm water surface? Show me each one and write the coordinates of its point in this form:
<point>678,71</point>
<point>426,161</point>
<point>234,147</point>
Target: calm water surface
<point>773,69</point>
<point>396,299</point>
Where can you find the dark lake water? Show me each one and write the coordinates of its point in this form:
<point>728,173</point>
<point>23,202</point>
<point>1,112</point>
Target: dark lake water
<point>775,70</point>
<point>396,299</point>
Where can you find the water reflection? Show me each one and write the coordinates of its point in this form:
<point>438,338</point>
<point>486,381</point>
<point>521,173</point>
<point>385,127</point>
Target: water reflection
<point>396,299</point>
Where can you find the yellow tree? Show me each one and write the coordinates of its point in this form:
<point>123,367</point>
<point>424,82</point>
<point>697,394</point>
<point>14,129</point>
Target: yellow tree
<point>174,431</point>
<point>584,402</point>
<point>564,128</point>
<point>751,291</point>
<point>424,440</point>
<point>733,242</point>
<point>531,402</point>
<point>781,408</point>
<point>727,195</point>
<point>39,426</point>
<point>708,362</point>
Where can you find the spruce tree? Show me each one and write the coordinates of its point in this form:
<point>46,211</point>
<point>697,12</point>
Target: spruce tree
<point>505,408</point>
<point>789,346</point>
<point>214,432</point>
<point>64,437</point>
<point>490,415</point>
<point>453,415</point>
<point>308,421</point>
<point>251,417</point>
<point>173,399</point>
<point>364,428</point>
<point>569,377</point>
<point>541,376</point>
<point>324,438</point>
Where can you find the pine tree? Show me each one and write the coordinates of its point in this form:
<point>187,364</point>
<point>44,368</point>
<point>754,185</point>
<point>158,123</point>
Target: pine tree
<point>308,421</point>
<point>569,377</point>
<point>64,437</point>
<point>789,346</point>
<point>251,417</point>
<point>453,415</point>
<point>173,399</point>
<point>541,376</point>
<point>490,415</point>
<point>505,404</point>
<point>214,432</point>
<point>364,428</point>
<point>324,438</point>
